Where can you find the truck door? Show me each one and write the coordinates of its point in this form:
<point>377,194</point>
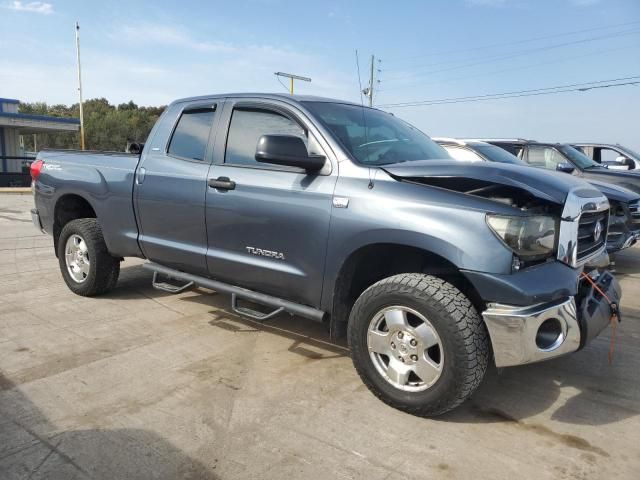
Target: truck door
<point>170,187</point>
<point>267,224</point>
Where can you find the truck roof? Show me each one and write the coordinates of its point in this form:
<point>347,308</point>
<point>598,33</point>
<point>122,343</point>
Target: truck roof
<point>273,96</point>
<point>458,141</point>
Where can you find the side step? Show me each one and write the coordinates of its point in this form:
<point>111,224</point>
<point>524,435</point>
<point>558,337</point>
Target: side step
<point>279,304</point>
<point>167,286</point>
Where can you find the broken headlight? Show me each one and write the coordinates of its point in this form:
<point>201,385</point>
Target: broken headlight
<point>530,237</point>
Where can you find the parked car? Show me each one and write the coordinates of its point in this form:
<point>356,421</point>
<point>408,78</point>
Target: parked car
<point>563,157</point>
<point>348,215</point>
<point>609,155</point>
<point>624,218</point>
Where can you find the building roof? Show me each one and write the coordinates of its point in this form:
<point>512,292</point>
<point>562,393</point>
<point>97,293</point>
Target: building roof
<point>30,123</point>
<point>47,118</point>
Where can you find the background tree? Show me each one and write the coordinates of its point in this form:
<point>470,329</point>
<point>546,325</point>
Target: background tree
<point>107,127</point>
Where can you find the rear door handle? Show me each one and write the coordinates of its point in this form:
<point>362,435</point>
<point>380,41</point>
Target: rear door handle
<point>222,183</point>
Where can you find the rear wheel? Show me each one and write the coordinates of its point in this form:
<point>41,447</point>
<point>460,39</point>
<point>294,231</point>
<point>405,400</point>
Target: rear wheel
<point>418,343</point>
<point>86,265</point>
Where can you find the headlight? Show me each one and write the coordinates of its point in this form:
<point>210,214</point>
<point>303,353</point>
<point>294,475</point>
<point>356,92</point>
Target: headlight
<point>530,237</point>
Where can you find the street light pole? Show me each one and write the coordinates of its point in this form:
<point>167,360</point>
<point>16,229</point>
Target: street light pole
<point>80,86</point>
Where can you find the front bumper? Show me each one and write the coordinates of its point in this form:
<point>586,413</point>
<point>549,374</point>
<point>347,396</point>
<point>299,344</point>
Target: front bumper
<point>521,335</point>
<point>624,227</point>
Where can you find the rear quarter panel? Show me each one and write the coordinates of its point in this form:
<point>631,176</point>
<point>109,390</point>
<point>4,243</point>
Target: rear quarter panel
<point>105,181</point>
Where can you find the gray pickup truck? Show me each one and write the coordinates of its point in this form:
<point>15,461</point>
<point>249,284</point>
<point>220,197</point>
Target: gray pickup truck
<point>347,215</point>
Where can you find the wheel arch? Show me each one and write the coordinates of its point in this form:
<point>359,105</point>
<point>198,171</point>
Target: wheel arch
<point>370,263</point>
<point>68,207</point>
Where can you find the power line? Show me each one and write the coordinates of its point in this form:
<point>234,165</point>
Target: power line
<point>494,58</point>
<point>518,42</point>
<point>510,69</point>
<point>283,85</point>
<point>575,87</point>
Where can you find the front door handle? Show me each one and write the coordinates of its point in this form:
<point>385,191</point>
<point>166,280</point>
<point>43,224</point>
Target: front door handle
<point>222,183</point>
<point>140,175</point>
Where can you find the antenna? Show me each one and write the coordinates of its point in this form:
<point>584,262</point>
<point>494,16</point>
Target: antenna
<point>291,78</point>
<point>364,120</point>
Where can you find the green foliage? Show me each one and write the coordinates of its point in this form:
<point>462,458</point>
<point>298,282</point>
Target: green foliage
<point>107,127</point>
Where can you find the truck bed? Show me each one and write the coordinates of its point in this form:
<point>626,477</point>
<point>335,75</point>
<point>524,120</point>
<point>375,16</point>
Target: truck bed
<point>104,180</point>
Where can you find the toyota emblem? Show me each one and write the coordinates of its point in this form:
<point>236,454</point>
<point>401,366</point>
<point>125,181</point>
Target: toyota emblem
<point>597,231</point>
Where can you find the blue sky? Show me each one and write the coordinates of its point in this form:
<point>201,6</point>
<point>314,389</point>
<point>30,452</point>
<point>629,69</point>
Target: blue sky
<point>154,52</point>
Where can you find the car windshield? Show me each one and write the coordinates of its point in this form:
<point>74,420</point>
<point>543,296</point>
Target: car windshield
<point>373,137</point>
<point>497,154</point>
<point>578,158</point>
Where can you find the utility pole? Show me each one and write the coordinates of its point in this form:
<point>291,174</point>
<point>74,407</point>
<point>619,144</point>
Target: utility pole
<point>80,86</point>
<point>291,77</point>
<point>370,92</point>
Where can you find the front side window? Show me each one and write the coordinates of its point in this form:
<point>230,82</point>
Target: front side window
<point>609,155</point>
<point>462,154</point>
<point>577,158</point>
<point>544,157</point>
<point>190,137</point>
<point>246,128</point>
<point>373,137</point>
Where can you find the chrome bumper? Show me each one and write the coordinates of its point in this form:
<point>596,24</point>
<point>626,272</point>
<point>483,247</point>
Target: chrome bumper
<point>521,335</point>
<point>633,238</point>
<point>513,331</point>
<point>35,218</point>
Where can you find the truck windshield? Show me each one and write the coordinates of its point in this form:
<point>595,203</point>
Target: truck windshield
<point>497,154</point>
<point>630,153</point>
<point>578,158</point>
<point>373,137</point>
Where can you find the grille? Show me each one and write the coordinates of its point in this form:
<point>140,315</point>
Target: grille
<point>587,243</point>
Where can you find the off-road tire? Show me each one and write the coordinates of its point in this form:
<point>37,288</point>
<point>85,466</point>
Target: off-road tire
<point>463,334</point>
<point>104,269</point>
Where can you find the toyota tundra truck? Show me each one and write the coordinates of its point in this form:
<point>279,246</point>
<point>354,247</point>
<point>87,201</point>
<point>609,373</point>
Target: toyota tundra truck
<point>343,214</point>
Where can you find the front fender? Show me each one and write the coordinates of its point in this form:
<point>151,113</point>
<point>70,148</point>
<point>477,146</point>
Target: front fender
<point>448,224</point>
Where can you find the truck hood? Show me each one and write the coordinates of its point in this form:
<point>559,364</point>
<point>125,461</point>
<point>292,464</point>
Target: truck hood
<point>543,184</point>
<point>615,192</point>
<point>629,179</point>
<point>608,172</point>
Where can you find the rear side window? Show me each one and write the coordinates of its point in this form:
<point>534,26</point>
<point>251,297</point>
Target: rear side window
<point>189,139</point>
<point>545,157</point>
<point>248,125</point>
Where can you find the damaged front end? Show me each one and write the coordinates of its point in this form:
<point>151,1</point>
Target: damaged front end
<point>544,308</point>
<point>624,225</point>
<point>580,212</point>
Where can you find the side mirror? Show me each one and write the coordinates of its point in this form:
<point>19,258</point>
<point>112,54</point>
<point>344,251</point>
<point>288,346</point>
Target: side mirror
<point>565,167</point>
<point>287,150</point>
<point>622,160</point>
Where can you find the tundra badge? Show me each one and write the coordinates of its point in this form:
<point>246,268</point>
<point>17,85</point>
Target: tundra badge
<point>265,253</point>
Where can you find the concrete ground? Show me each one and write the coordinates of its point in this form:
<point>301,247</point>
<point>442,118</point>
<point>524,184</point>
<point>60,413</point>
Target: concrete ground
<point>142,384</point>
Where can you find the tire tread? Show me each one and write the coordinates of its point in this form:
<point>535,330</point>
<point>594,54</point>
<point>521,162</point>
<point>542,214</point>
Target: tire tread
<point>450,302</point>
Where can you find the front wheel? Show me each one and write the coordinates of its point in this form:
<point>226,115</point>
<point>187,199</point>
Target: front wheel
<point>85,263</point>
<point>418,343</point>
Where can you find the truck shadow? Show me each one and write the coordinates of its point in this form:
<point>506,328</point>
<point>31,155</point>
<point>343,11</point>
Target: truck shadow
<point>577,389</point>
<point>32,447</point>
